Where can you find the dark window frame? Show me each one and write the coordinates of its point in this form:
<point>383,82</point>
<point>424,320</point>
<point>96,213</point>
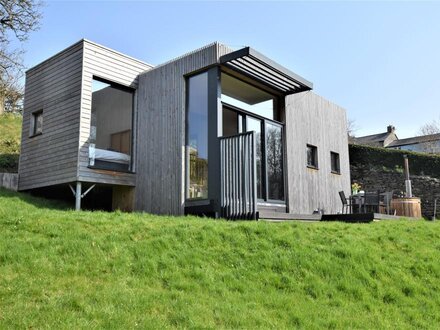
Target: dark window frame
<point>335,169</point>
<point>34,120</point>
<point>314,164</point>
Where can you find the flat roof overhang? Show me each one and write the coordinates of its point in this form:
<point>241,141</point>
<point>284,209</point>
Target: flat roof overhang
<point>255,65</point>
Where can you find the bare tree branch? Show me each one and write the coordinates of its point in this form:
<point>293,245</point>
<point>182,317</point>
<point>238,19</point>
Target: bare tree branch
<point>429,129</point>
<point>17,19</point>
<point>351,129</point>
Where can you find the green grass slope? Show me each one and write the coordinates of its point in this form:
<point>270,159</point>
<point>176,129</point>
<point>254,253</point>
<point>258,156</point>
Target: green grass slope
<point>66,269</point>
<point>10,135</point>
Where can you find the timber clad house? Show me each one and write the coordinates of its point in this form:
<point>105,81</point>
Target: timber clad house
<point>216,132</point>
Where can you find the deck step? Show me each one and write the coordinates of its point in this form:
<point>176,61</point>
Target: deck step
<point>267,215</point>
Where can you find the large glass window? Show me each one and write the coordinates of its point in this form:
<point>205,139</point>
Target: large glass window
<point>253,124</point>
<point>247,97</point>
<point>197,136</point>
<point>111,126</point>
<point>274,161</point>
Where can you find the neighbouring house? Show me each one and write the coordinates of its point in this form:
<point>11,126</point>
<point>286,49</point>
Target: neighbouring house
<point>378,140</point>
<point>424,143</point>
<point>216,131</point>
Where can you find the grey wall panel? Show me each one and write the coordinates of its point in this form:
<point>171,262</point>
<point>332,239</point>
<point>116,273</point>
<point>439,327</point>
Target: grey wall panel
<point>107,64</point>
<point>160,180</point>
<point>311,119</point>
<point>55,87</point>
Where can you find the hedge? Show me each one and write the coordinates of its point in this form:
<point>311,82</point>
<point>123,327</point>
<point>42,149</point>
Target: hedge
<point>392,160</point>
<point>9,163</point>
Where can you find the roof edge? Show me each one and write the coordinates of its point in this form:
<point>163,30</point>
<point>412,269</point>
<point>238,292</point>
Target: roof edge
<point>55,55</point>
<point>82,41</point>
<point>280,69</point>
<point>117,52</point>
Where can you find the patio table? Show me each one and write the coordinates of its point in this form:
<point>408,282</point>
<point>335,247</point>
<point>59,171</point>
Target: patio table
<point>357,200</point>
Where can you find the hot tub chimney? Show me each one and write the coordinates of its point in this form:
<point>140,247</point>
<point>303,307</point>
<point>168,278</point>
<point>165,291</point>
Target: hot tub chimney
<point>408,189</point>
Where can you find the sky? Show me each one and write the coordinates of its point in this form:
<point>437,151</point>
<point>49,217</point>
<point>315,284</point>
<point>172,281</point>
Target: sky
<point>378,60</point>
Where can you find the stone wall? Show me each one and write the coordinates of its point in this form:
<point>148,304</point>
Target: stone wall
<point>9,181</point>
<point>425,187</point>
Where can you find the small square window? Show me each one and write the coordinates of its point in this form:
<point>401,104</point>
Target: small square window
<point>335,162</point>
<point>312,156</point>
<point>37,123</point>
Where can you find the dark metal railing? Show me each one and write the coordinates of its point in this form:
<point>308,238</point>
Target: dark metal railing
<point>238,176</point>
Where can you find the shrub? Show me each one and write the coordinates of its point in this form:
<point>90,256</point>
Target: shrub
<point>9,162</point>
<point>392,160</point>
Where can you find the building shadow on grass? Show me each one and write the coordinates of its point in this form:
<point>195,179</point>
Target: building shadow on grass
<point>28,198</point>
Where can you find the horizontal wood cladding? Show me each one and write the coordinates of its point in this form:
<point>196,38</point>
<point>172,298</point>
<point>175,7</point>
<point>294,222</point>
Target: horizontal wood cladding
<point>118,68</point>
<point>160,181</point>
<point>311,119</point>
<point>54,86</point>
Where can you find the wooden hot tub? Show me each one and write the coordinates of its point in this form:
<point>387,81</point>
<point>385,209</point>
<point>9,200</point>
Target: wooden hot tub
<point>407,207</point>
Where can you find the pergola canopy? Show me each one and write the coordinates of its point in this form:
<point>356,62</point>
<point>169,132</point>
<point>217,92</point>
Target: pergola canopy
<point>255,65</point>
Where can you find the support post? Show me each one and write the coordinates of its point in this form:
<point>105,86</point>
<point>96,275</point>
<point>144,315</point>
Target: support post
<point>408,188</point>
<point>78,196</point>
<point>214,132</point>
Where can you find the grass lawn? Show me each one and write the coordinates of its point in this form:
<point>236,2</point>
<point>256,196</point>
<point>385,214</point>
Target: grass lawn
<point>10,135</point>
<point>66,269</point>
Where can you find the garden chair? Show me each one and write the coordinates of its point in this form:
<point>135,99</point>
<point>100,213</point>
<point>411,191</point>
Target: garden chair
<point>371,202</point>
<point>346,203</point>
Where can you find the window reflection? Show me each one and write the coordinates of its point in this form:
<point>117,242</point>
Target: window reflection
<point>197,136</point>
<point>253,124</point>
<point>110,126</point>
<point>274,161</point>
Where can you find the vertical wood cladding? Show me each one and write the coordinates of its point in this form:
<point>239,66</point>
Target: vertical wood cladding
<point>311,119</point>
<point>160,184</point>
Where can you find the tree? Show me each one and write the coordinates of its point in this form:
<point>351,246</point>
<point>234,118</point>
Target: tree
<point>428,129</point>
<point>17,19</point>
<point>351,129</point>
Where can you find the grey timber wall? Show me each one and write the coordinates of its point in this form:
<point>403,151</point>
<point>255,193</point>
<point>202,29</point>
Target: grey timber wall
<point>160,182</point>
<point>53,86</point>
<point>311,119</point>
<point>9,181</point>
<point>107,64</point>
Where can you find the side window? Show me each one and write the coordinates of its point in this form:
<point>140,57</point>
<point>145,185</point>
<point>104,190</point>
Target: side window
<point>36,123</point>
<point>334,156</point>
<point>312,156</point>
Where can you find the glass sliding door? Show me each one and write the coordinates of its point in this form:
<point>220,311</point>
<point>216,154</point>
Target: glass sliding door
<point>247,108</point>
<point>254,124</point>
<point>274,161</point>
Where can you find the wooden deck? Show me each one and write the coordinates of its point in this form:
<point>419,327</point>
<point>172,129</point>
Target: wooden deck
<point>359,217</point>
<point>351,218</point>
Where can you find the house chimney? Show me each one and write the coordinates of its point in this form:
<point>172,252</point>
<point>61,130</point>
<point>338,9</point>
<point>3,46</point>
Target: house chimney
<point>390,129</point>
